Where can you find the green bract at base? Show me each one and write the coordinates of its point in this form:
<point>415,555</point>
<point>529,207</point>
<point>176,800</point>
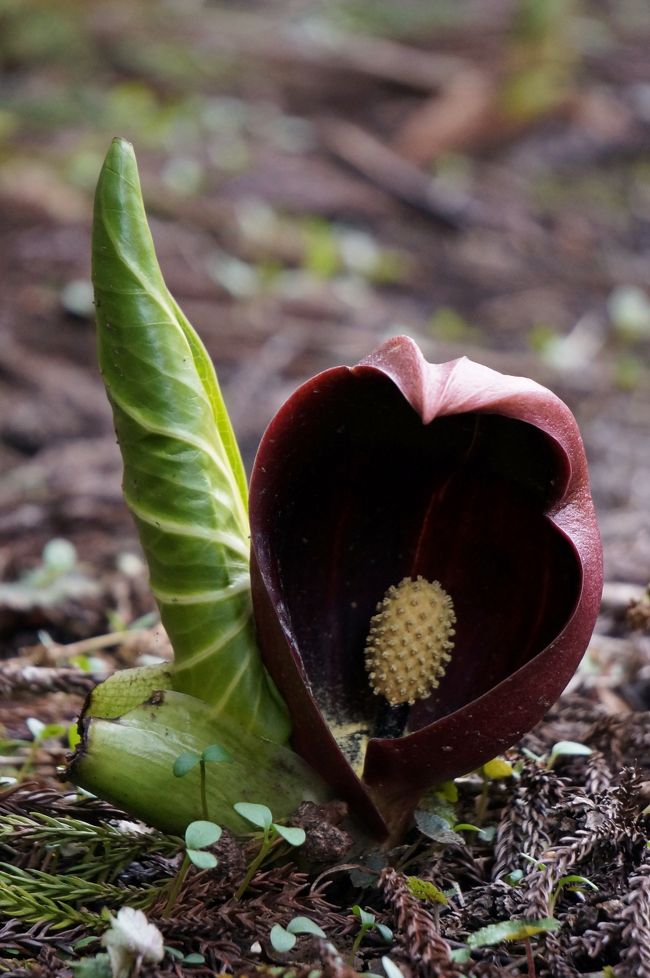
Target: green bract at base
<point>128,759</point>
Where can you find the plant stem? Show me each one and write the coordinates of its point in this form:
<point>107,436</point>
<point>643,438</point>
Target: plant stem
<point>254,866</point>
<point>483,801</point>
<point>175,886</point>
<point>204,796</point>
<point>530,959</point>
<point>357,941</point>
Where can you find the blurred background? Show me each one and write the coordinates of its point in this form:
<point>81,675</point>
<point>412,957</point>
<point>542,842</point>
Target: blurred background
<point>320,176</point>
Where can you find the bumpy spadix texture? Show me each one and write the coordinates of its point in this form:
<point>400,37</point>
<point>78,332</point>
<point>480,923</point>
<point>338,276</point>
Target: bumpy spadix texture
<point>410,640</point>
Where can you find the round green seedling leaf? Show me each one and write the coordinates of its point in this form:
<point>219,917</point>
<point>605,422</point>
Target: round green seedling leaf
<point>200,834</point>
<point>194,958</point>
<point>185,762</point>
<point>281,939</point>
<point>385,932</point>
<point>215,752</point>
<point>511,930</point>
<point>202,859</point>
<point>258,815</point>
<point>303,925</point>
<point>294,836</point>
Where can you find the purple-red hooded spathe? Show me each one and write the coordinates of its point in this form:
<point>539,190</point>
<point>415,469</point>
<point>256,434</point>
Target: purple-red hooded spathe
<point>396,468</point>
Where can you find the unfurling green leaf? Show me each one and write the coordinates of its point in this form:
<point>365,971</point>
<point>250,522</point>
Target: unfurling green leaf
<point>183,477</point>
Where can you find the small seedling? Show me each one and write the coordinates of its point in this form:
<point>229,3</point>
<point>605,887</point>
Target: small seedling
<point>188,760</point>
<point>563,748</point>
<point>495,770</point>
<point>566,748</point>
<point>368,922</point>
<point>283,939</point>
<point>198,836</point>
<point>272,834</point>
<point>575,884</point>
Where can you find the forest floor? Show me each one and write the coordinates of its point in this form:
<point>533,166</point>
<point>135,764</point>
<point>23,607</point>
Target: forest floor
<point>318,181</point>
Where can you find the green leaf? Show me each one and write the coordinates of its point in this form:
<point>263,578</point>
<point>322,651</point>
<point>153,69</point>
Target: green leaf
<point>281,939</point>
<point>511,930</point>
<point>567,748</point>
<point>294,836</point>
<point>194,958</point>
<point>488,833</point>
<point>303,925</point>
<point>425,890</point>
<point>202,859</point>
<point>497,769</point>
<point>448,791</point>
<point>582,880</point>
<point>215,752</point>
<point>185,762</point>
<point>366,918</point>
<point>515,877</point>
<point>385,932</point>
<point>183,477</point>
<point>258,815</point>
<point>437,828</point>
<point>200,834</point>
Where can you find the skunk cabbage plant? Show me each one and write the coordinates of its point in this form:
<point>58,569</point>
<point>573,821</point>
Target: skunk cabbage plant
<point>425,564</point>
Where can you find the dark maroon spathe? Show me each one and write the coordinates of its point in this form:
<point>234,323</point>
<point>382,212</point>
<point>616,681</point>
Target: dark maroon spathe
<point>398,467</point>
